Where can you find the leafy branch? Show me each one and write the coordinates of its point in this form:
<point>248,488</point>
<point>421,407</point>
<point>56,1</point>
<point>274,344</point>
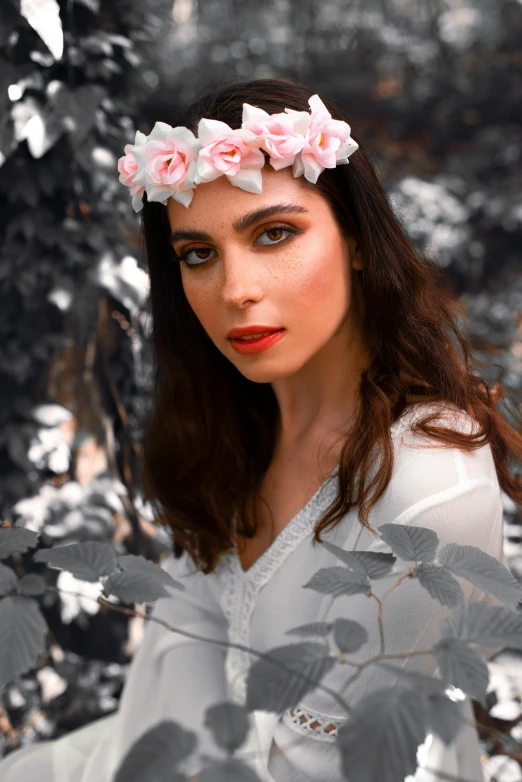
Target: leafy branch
<point>280,678</point>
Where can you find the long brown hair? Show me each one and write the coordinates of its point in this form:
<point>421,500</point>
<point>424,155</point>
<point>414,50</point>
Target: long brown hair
<point>212,432</point>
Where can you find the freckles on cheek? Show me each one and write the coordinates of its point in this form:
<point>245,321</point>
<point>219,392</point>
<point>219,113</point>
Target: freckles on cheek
<point>319,283</point>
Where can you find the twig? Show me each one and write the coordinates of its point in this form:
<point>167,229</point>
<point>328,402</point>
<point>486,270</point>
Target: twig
<point>226,644</point>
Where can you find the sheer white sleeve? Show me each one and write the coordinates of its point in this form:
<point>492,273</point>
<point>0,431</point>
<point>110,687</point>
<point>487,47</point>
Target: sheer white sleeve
<point>170,677</point>
<point>456,494</point>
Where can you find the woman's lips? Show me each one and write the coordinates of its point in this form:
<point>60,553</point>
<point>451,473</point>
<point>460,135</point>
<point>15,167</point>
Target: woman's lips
<point>247,346</point>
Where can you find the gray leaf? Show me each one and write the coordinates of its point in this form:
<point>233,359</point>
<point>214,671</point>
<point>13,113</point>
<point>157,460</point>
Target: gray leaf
<point>345,556</point>
<point>428,684</point>
<point>348,635</point>
<point>339,581</point>
<point>417,544</point>
<point>444,717</point>
<point>233,770</point>
<point>312,628</point>
<point>22,639</point>
<point>371,563</point>
<point>484,625</point>
<point>229,724</point>
<point>153,757</point>
<point>483,570</point>
<point>134,588</point>
<point>31,585</point>
<point>375,563</point>
<point>272,688</point>
<point>8,579</point>
<point>379,740</point>
<point>16,540</point>
<point>462,666</point>
<point>440,583</point>
<point>140,582</point>
<point>87,561</point>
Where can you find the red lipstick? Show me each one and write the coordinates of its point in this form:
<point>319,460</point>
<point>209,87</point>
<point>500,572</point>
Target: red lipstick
<point>246,331</point>
<point>270,335</point>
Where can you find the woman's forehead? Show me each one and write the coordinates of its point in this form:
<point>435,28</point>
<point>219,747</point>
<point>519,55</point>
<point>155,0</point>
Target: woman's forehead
<point>223,205</point>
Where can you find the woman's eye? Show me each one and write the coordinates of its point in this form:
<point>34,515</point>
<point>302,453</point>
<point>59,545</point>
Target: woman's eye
<point>183,256</point>
<point>274,229</point>
<point>278,229</point>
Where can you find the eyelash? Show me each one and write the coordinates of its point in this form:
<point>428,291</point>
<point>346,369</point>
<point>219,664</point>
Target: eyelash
<point>183,256</point>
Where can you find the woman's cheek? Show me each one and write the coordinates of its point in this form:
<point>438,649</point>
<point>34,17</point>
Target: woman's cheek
<point>321,284</point>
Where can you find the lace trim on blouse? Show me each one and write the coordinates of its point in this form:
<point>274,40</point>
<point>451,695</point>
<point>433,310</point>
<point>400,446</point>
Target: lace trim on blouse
<point>242,587</point>
<point>240,593</point>
<point>312,724</point>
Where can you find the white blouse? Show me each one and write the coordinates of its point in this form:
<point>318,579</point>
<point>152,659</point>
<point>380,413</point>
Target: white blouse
<point>453,492</point>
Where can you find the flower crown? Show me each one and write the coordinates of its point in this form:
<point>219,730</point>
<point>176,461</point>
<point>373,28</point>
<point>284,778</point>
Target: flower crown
<point>171,162</point>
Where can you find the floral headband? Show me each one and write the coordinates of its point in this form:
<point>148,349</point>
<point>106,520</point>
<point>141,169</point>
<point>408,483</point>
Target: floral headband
<point>171,162</point>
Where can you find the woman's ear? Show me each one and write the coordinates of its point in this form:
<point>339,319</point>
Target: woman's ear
<point>355,254</point>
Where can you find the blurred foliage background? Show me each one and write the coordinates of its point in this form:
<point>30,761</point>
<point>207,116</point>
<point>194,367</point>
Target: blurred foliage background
<point>433,91</point>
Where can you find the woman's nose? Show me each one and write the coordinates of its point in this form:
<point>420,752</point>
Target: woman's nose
<point>240,283</point>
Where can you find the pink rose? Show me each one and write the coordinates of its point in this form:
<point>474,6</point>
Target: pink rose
<point>233,153</point>
<point>128,166</point>
<point>281,135</point>
<point>327,142</point>
<point>128,169</point>
<point>171,162</point>
<point>167,164</point>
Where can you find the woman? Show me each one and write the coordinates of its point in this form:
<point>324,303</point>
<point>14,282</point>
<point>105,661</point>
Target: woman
<point>356,411</point>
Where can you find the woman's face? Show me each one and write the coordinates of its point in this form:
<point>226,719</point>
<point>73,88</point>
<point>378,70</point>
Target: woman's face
<point>284,270</point>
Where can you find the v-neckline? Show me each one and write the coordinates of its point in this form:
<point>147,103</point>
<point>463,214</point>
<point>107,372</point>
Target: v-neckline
<point>278,543</point>
<point>281,536</point>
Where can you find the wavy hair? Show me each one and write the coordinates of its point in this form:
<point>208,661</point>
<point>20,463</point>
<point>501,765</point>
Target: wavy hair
<point>211,435</point>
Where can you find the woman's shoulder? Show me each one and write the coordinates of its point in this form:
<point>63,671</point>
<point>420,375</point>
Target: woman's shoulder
<point>447,413</point>
<point>425,468</point>
<point>408,438</point>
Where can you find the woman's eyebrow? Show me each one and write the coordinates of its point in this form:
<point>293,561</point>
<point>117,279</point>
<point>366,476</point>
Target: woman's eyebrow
<point>243,223</point>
